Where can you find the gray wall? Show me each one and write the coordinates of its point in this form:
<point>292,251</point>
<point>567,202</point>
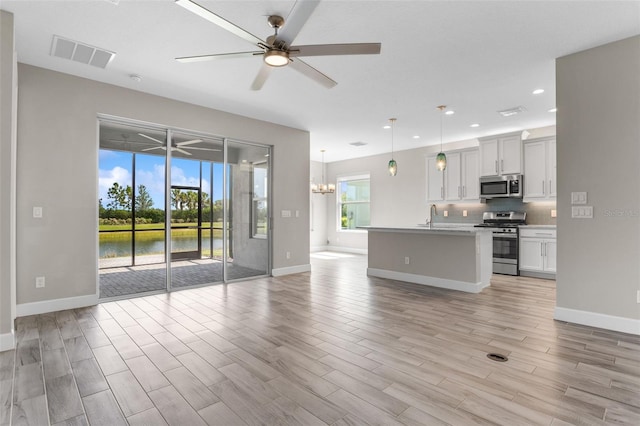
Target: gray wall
<point>7,178</point>
<point>598,130</point>
<point>57,170</point>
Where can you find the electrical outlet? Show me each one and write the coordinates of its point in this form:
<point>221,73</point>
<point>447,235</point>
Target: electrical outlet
<point>37,212</point>
<point>288,255</point>
<point>464,213</point>
<point>446,213</point>
<point>39,282</point>
<point>554,213</point>
<point>406,260</point>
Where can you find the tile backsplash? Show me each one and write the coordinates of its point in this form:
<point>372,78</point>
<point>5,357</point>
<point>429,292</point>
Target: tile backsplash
<point>537,213</point>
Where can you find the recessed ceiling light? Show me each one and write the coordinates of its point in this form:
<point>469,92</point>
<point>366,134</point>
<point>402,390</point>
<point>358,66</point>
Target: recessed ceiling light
<point>475,125</point>
<point>416,136</point>
<point>450,112</point>
<point>386,127</point>
<point>538,91</point>
<point>553,110</point>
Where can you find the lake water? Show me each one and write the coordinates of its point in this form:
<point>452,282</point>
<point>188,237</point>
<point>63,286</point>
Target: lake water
<point>123,248</point>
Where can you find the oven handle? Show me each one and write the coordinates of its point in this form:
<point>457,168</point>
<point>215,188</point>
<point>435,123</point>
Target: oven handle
<point>505,235</point>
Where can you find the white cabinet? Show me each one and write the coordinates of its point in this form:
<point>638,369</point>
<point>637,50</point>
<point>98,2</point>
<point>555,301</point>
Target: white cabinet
<point>470,175</point>
<point>501,155</point>
<point>458,182</point>
<point>538,252</point>
<point>540,169</point>
<point>435,181</point>
<point>452,187</point>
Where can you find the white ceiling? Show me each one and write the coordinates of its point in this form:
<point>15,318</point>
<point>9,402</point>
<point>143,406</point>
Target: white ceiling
<point>478,57</point>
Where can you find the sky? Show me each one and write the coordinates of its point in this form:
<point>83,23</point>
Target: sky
<point>115,166</point>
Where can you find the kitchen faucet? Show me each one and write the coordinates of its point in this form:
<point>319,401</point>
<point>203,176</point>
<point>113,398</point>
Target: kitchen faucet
<point>433,211</point>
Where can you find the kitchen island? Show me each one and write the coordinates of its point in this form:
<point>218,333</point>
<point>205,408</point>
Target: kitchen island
<point>456,258</point>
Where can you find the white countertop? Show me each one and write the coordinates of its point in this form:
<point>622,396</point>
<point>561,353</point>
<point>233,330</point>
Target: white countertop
<point>461,230</point>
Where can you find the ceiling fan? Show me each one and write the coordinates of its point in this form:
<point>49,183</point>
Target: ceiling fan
<point>177,146</point>
<point>277,50</point>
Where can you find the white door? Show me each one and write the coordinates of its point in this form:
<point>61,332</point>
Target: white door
<point>489,157</point>
<point>531,254</point>
<point>550,251</point>
<point>534,170</point>
<point>470,175</point>
<point>551,167</point>
<point>453,186</point>
<point>511,155</point>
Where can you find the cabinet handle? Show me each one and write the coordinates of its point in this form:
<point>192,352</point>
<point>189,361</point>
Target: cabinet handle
<point>496,166</point>
<point>544,233</point>
<point>542,187</point>
<point>541,249</point>
<point>502,166</point>
<point>464,191</point>
<point>549,186</point>
<point>545,249</point>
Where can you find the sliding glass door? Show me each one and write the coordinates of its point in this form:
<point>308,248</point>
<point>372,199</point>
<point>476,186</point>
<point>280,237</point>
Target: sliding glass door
<point>191,215</point>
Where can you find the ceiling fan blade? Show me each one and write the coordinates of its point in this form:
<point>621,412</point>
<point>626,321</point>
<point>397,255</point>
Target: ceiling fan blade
<point>201,149</point>
<point>181,150</point>
<point>155,147</point>
<point>298,16</point>
<point>191,142</point>
<point>219,21</point>
<point>312,73</point>
<point>150,138</point>
<point>262,76</point>
<point>336,49</point>
<point>216,56</point>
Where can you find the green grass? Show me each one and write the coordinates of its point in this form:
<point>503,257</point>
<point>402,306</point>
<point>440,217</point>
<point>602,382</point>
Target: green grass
<point>125,235</point>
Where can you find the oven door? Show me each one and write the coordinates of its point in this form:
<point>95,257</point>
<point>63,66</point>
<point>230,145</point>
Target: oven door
<point>505,247</point>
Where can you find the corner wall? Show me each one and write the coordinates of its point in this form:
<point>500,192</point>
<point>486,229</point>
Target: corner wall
<point>8,91</point>
<point>57,170</point>
<point>598,151</point>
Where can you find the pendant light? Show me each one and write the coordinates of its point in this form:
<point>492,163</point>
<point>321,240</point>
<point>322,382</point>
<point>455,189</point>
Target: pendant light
<point>323,188</point>
<point>393,166</point>
<point>441,159</point>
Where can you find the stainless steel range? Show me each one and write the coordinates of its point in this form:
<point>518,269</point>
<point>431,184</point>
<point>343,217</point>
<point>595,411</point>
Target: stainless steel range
<point>505,239</point>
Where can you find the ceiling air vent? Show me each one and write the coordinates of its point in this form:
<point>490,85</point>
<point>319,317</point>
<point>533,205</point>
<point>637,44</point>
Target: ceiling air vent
<point>80,52</point>
<point>512,111</point>
<point>358,143</point>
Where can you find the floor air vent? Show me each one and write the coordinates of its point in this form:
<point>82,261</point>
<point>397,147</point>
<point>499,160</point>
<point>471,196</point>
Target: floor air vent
<point>80,52</point>
<point>497,357</point>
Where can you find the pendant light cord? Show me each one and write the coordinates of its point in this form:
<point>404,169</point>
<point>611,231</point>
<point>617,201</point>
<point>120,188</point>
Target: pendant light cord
<point>392,123</point>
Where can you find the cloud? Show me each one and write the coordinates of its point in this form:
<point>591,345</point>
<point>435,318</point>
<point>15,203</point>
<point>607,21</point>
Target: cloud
<point>106,179</point>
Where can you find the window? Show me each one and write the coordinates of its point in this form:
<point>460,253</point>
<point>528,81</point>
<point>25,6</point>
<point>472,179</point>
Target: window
<point>353,202</point>
<point>259,212</point>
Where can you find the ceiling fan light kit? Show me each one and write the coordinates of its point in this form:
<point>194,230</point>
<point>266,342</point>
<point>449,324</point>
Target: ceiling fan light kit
<point>277,49</point>
<point>276,58</point>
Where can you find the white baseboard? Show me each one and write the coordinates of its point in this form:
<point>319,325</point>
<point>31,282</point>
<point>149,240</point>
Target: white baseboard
<point>7,342</point>
<point>42,307</point>
<point>315,249</point>
<point>425,280</point>
<point>278,272</point>
<point>594,319</point>
<point>340,249</point>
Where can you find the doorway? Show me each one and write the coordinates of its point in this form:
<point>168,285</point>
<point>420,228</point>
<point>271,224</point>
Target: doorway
<point>210,193</point>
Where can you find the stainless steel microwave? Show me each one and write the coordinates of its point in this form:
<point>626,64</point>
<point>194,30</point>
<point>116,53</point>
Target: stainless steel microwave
<point>507,186</point>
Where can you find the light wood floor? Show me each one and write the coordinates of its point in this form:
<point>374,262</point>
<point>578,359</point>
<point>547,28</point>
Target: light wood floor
<point>330,347</point>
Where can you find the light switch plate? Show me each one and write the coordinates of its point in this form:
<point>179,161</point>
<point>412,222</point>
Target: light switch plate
<point>286,213</point>
<point>578,198</point>
<point>582,212</point>
<point>37,212</point>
